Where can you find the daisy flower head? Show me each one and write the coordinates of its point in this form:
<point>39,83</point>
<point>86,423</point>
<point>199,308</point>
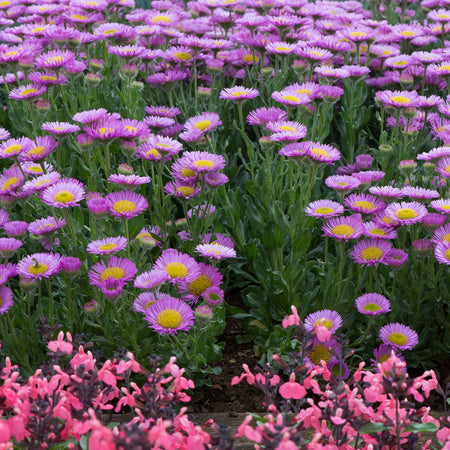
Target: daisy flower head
<point>372,304</point>
<point>369,176</point>
<point>238,94</point>
<point>396,258</point>
<point>398,99</point>
<point>399,336</point>
<point>16,228</point>
<point>60,128</point>
<point>326,318</point>
<point>144,300</point>
<point>107,129</point>
<point>290,98</point>
<point>215,251</point>
<point>39,265</point>
<point>419,193</point>
<point>54,60</point>
<point>386,193</point>
<point>42,146</point>
<point>151,280</point>
<point>344,228</point>
<point>184,190</point>
<point>208,276</point>
<point>442,252</point>
<point>36,169</point>
<point>441,234</point>
<point>441,205</point>
<point>375,230</point>
<point>128,182</point>
<point>107,246</point>
<point>47,78</point>
<point>321,351</point>
<point>149,238</point>
<point>286,131</point>
<point>364,204</point>
<point>215,179</point>
<point>322,153</point>
<point>204,122</point>
<point>296,151</point>
<point>27,92</point>
<point>213,296</point>
<point>264,115</point>
<point>45,226</point>
<point>406,213</point>
<point>383,353</point>
<point>90,116</point>
<point>342,183</point>
<point>169,315</point>
<point>201,162</point>
<point>370,252</point>
<point>126,204</point>
<point>13,148</point>
<point>64,193</point>
<point>180,267</point>
<point>10,180</point>
<point>434,155</point>
<point>324,209</point>
<point>9,246</point>
<point>163,111</point>
<point>443,167</point>
<point>116,268</point>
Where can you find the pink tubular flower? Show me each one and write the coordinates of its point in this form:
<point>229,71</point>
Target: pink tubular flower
<point>291,320</point>
<point>60,345</point>
<point>292,389</point>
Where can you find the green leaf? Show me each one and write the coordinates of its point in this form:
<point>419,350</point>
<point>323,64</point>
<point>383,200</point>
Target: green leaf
<point>426,427</point>
<point>375,427</point>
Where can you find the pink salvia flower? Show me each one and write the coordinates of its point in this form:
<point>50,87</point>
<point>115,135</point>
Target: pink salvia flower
<point>292,389</point>
<point>60,345</point>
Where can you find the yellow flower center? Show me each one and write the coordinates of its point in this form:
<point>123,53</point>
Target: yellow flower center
<point>8,183</point>
<point>304,91</point>
<point>12,53</point>
<point>55,60</point>
<point>371,253</point>
<point>169,319</point>
<point>407,33</point>
<point>320,353</point>
<point>161,19</point>
<point>446,238</point>
<point>446,68</point>
<point>383,358</point>
<point>37,269</point>
<point>47,78</point>
<point>182,56</point>
<point>319,152</point>
<point>46,227</point>
<point>28,91</point>
<point>397,338</point>
<point>199,285</point>
<point>104,130</point>
<point>400,99</point>
<point>371,307</point>
<point>386,53</point>
<point>327,323</point>
<point>283,49</point>
<point>405,213</point>
<point>149,303</point>
<point>447,254</point>
<point>358,34</point>
<point>249,58</point>
<point>124,206</point>
<point>37,150</point>
<point>203,124</point>
<point>364,205</point>
<point>239,93</point>
<point>40,183</point>
<point>185,190</point>
<point>324,210</point>
<point>12,149</point>
<point>446,207</point>
<point>176,270</point>
<point>447,169</point>
<point>400,63</point>
<point>187,173</point>
<point>314,53</point>
<point>37,30</point>
<point>112,31</point>
<point>130,129</point>
<point>5,3</point>
<point>291,98</point>
<point>109,246</point>
<point>36,169</point>
<point>78,16</point>
<point>378,231</point>
<point>64,197</point>
<point>342,230</point>
<point>162,146</point>
<point>204,163</point>
<point>444,16</point>
<point>116,272</point>
<point>152,152</point>
<point>287,128</point>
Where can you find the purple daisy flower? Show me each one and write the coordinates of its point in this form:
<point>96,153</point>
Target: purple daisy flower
<point>406,213</point>
<point>70,265</point>
<point>344,228</point>
<point>396,258</point>
<point>209,276</point>
<point>238,94</point>
<point>435,154</point>
<point>126,204</point>
<point>200,162</point>
<point>324,209</point>
<point>204,122</point>
<point>289,127</point>
<point>10,180</point>
<point>64,193</point>
<point>182,189</point>
<point>343,183</point>
<point>321,351</point>
<point>318,152</point>
<point>297,151</point>
<point>105,129</point>
<point>213,296</point>
<point>179,266</point>
<point>215,251</point>
<point>39,265</point>
<point>326,318</point>
<point>418,193</point>
<point>364,204</point>
<point>54,60</point>
<point>443,167</point>
<point>42,146</point>
<point>169,316</point>
<point>163,111</point>
<point>15,228</point>
<point>27,92</point>
<point>398,99</point>
<point>144,300</point>
<point>133,129</point>
<point>374,230</point>
<point>386,193</point>
<point>128,182</point>
<point>370,252</point>
<point>262,116</point>
<point>164,145</point>
<point>290,98</point>
<point>117,268</point>
<point>372,304</point>
<point>9,246</point>
<point>60,128</point>
<point>107,246</point>
<point>442,252</point>
<point>46,78</point>
<point>6,299</point>
<point>12,148</point>
<point>442,234</point>
<point>36,169</point>
<point>151,280</point>
<point>399,336</point>
<point>146,238</point>
<point>369,176</point>
<point>41,182</point>
<point>45,226</point>
<point>441,205</point>
<point>383,353</point>
<point>87,117</point>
